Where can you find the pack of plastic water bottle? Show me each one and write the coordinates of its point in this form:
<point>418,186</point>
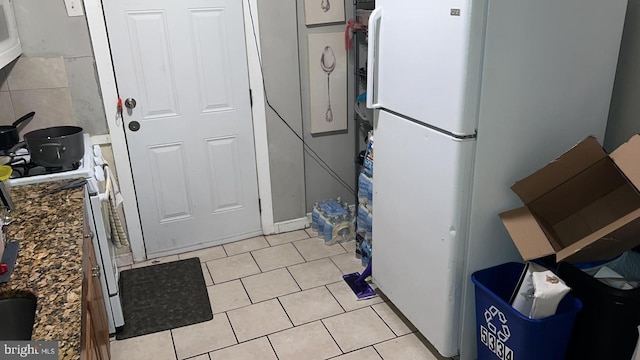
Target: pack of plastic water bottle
<point>365,190</point>
<point>364,223</point>
<point>366,253</point>
<point>367,166</point>
<point>333,221</point>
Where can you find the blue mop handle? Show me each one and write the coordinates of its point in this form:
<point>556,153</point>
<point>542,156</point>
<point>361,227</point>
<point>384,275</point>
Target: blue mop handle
<point>365,274</point>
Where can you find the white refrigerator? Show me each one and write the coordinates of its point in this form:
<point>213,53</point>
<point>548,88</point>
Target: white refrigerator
<point>472,96</point>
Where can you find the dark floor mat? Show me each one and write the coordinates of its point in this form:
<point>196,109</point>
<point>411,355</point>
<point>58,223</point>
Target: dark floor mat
<point>163,296</point>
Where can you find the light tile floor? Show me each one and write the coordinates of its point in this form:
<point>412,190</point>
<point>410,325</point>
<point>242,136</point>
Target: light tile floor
<point>281,297</point>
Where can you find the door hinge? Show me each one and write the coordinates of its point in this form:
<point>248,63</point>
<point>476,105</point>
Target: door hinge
<point>250,98</point>
<point>259,205</point>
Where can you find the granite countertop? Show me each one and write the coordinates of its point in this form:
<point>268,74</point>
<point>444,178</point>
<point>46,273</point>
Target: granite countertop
<point>49,264</point>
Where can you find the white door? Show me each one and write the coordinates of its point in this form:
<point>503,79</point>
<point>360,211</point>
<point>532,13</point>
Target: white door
<point>420,208</point>
<point>192,157</point>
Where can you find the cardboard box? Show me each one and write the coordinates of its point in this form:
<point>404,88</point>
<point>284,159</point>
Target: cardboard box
<point>583,206</point>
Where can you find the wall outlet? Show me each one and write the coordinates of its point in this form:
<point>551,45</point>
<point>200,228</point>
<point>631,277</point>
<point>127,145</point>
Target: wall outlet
<point>74,7</point>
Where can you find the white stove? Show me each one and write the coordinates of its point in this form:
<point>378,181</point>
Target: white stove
<point>84,170</point>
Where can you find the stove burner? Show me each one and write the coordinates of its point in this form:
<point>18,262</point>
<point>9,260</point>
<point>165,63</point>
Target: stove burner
<point>26,172</point>
<point>22,168</point>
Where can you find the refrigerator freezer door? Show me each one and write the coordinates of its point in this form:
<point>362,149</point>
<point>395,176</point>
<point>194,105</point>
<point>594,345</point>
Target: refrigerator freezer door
<point>427,57</point>
<point>420,206</point>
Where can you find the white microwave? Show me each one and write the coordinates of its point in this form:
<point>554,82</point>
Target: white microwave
<point>10,47</point>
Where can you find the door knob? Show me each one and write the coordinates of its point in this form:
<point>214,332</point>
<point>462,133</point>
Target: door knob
<point>130,103</point>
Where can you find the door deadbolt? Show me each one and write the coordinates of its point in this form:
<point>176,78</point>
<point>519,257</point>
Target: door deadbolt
<point>134,126</point>
<point>130,103</point>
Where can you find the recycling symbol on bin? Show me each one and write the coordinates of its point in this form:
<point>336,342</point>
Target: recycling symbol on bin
<point>490,316</point>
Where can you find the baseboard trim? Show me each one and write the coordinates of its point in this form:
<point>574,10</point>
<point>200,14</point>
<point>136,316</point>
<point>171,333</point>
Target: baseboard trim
<point>292,225</point>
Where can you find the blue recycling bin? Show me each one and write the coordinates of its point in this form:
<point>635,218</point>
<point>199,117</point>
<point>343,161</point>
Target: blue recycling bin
<point>504,333</point>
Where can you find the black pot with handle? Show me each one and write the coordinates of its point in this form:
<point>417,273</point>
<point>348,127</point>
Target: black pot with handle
<point>9,133</point>
<point>55,146</point>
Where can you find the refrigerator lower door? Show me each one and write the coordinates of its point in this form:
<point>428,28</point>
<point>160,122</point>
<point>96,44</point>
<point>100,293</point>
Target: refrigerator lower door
<point>421,187</point>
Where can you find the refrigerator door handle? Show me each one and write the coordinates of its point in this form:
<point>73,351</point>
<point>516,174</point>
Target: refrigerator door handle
<point>372,65</point>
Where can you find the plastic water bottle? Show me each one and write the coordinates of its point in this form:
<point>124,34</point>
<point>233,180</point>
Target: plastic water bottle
<point>315,214</point>
<point>359,240</point>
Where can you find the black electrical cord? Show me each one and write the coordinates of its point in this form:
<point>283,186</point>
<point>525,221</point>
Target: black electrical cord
<point>314,155</point>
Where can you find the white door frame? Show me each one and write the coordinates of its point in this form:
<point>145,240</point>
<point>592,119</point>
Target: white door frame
<point>107,83</point>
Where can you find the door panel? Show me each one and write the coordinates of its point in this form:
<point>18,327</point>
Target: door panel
<point>150,47</point>
<point>225,174</point>
<point>212,59</point>
<point>193,157</point>
<point>169,169</point>
<point>420,206</point>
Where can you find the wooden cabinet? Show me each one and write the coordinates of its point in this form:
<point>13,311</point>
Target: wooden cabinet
<point>95,330</point>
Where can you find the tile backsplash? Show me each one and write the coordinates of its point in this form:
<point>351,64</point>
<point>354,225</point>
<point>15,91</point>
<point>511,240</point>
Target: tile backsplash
<point>29,73</point>
<point>37,84</point>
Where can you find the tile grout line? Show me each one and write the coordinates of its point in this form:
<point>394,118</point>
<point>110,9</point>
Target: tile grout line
<point>173,341</point>
<point>280,267</point>
<point>377,352</point>
<point>332,337</point>
<point>195,356</point>
<point>224,347</point>
<point>272,348</point>
<point>334,263</point>
<point>255,261</point>
<point>379,316</point>
<point>335,298</point>
<point>299,253</point>
<point>395,338</point>
<point>235,278</point>
<point>286,313</point>
<point>247,251</point>
<point>351,352</point>
<point>246,293</point>
<point>209,272</point>
<point>232,330</point>
<point>298,250</point>
<point>294,278</point>
<point>275,297</point>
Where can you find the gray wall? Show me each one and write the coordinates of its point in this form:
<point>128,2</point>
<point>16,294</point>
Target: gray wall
<point>279,45</point>
<point>624,114</point>
<point>298,181</point>
<point>336,149</point>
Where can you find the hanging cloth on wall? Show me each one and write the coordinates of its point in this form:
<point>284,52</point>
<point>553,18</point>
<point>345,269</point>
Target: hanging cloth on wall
<point>352,25</point>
